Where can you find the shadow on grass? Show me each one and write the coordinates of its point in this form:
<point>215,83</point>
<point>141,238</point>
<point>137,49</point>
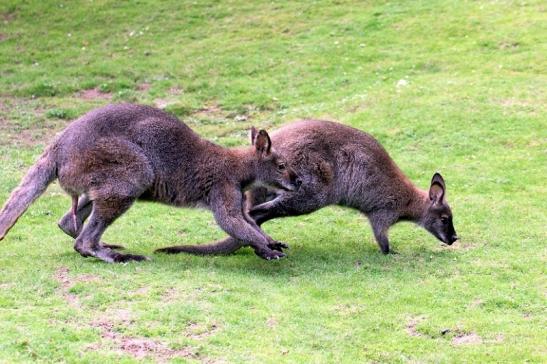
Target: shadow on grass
<point>301,260</point>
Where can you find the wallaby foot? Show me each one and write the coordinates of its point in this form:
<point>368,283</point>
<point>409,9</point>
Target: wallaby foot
<point>269,254</point>
<point>278,246</point>
<point>108,255</point>
<point>85,246</point>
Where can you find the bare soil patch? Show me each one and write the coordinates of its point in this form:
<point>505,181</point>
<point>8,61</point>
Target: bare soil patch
<point>7,16</point>
<point>271,322</point>
<point>509,45</point>
<point>163,103</point>
<point>347,309</point>
<point>170,295</point>
<point>145,86</point>
<point>40,131</point>
<point>93,94</point>
<point>66,283</point>
<point>462,244</point>
<point>514,102</point>
<point>412,324</point>
<point>200,331</point>
<point>139,347</point>
<point>466,339</point>
<point>175,91</point>
<point>24,137</point>
<point>212,111</point>
<point>61,276</point>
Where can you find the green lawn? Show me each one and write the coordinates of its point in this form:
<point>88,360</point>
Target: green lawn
<point>454,86</point>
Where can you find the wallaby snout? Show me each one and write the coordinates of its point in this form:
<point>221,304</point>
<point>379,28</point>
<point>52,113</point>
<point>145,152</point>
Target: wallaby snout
<point>452,238</point>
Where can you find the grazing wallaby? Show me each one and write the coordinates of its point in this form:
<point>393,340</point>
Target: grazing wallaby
<point>119,153</point>
<point>340,165</point>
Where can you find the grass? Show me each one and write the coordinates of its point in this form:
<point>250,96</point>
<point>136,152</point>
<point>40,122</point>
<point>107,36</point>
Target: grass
<point>457,87</point>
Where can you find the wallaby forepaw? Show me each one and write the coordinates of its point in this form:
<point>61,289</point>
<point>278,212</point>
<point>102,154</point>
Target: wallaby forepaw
<point>278,245</point>
<point>270,254</point>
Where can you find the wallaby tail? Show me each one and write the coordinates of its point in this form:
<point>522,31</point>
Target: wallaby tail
<point>33,185</point>
<point>222,247</point>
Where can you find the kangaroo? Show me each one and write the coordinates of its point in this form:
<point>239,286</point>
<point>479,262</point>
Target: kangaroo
<point>117,154</point>
<point>340,165</point>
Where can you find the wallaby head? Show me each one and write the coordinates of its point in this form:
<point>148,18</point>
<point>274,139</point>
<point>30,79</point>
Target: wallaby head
<point>437,218</point>
<point>272,168</point>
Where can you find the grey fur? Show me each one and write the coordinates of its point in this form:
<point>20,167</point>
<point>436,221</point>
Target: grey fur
<point>340,165</point>
<point>119,153</point>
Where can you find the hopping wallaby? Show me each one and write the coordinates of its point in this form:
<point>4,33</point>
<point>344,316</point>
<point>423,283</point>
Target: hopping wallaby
<point>117,154</point>
<point>340,165</point>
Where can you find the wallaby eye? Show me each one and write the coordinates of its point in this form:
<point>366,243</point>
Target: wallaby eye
<point>281,166</point>
<point>444,219</point>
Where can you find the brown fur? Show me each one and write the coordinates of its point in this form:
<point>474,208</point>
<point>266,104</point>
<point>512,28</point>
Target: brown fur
<point>340,165</point>
<point>114,155</point>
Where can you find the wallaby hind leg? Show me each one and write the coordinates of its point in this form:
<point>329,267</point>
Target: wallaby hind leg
<point>72,222</point>
<point>226,246</point>
<point>265,208</point>
<point>105,211</point>
<point>113,173</point>
<point>83,209</point>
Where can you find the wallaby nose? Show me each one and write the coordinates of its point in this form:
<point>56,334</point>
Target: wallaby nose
<point>454,238</point>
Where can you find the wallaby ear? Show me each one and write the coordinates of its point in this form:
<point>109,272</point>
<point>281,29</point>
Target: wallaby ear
<point>262,143</point>
<point>253,133</point>
<point>437,189</point>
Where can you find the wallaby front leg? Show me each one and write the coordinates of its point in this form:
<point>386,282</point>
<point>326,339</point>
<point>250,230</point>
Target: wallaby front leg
<point>272,244</point>
<point>381,221</point>
<point>227,206</point>
<point>380,233</point>
<point>269,210</point>
<point>266,206</point>
<point>382,240</point>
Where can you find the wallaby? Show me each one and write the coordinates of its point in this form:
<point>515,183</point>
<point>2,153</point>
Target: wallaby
<point>117,154</point>
<point>340,165</point>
